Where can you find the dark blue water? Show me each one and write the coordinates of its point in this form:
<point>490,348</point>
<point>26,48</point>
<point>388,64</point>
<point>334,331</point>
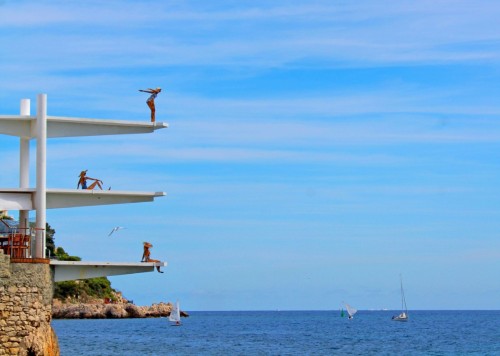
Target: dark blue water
<point>287,333</point>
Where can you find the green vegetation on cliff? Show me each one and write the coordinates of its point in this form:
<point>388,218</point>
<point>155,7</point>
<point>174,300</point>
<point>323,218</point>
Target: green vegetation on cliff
<point>82,290</point>
<point>85,290</point>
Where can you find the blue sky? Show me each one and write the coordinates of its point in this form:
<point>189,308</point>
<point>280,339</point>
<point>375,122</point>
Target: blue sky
<point>315,150</point>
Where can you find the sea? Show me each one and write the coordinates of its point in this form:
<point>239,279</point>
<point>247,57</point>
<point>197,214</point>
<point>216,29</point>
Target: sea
<point>286,333</point>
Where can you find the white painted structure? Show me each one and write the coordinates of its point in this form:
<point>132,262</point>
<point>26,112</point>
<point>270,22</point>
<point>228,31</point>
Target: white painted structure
<point>24,198</point>
<point>41,127</point>
<point>71,270</point>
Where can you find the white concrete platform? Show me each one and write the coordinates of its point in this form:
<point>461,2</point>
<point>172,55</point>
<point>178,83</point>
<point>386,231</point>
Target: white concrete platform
<point>24,198</point>
<point>25,126</point>
<point>73,270</point>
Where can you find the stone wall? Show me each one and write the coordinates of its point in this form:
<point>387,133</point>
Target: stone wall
<point>26,291</point>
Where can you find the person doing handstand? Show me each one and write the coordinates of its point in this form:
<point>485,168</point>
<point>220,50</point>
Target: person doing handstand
<point>151,100</point>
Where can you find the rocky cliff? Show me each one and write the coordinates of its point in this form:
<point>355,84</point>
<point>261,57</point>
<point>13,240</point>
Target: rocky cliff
<point>100,310</point>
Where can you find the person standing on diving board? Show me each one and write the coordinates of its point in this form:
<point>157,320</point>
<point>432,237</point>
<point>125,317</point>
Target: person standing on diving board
<point>151,100</point>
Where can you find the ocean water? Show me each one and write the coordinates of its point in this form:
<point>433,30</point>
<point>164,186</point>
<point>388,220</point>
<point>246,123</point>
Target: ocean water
<point>287,333</point>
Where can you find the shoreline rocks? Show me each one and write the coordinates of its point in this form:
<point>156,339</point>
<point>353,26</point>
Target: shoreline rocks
<point>99,310</point>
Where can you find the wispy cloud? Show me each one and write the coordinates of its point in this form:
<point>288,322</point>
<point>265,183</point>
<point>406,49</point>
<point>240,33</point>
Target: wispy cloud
<point>361,33</point>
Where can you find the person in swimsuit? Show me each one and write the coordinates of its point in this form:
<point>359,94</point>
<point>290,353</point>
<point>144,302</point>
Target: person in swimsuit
<point>83,181</point>
<point>151,100</point>
<point>146,255</point>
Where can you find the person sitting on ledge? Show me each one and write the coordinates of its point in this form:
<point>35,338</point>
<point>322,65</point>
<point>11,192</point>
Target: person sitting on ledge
<point>146,255</point>
<point>83,181</point>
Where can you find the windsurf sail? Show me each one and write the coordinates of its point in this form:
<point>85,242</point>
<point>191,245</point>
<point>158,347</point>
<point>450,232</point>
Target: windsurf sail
<point>175,313</point>
<point>350,310</point>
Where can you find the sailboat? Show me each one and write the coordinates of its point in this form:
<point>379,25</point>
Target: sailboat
<point>404,310</point>
<point>175,315</point>
<point>350,310</point>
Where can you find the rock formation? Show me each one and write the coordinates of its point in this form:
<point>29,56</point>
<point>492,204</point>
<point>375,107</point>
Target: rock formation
<point>100,310</point>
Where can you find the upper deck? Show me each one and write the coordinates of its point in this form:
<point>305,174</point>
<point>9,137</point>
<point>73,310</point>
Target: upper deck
<point>25,126</point>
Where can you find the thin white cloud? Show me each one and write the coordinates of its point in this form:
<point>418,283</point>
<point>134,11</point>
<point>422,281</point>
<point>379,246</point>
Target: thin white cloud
<point>361,33</point>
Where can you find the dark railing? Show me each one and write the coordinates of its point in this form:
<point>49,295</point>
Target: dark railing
<point>17,243</point>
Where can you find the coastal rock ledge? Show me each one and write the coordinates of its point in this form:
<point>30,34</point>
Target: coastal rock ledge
<point>109,311</point>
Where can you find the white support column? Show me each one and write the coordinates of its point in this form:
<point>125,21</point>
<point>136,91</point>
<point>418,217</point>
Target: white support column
<point>24,163</point>
<point>41,174</point>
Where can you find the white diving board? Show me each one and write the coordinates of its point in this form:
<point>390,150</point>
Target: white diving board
<point>25,126</point>
<point>24,198</point>
<point>72,270</point>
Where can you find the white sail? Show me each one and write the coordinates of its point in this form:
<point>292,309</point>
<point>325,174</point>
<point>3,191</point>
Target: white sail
<point>175,313</point>
<point>350,310</point>
<point>404,310</point>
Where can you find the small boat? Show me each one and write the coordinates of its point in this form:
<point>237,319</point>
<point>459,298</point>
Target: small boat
<point>404,310</point>
<point>175,315</point>
<point>350,310</point>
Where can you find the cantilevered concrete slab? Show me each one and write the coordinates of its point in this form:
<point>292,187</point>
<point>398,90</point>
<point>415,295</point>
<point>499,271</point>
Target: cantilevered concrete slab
<point>68,198</point>
<point>72,270</point>
<point>25,126</point>
<point>24,198</point>
<point>16,199</point>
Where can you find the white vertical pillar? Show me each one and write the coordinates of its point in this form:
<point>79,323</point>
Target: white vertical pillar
<point>41,174</point>
<point>24,164</point>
